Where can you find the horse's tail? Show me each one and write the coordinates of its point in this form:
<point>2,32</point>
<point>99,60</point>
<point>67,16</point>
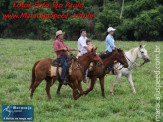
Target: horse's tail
<point>33,74</point>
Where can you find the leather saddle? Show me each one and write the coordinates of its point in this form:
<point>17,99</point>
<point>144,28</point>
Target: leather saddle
<point>55,63</point>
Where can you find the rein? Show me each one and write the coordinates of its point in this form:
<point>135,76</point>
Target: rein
<point>71,53</point>
<point>138,65</point>
<point>79,67</point>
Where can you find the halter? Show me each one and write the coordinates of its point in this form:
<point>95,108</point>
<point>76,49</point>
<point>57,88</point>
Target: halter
<point>132,63</point>
<point>79,67</point>
<point>139,65</point>
<point>94,59</point>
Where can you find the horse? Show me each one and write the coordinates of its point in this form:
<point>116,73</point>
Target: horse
<point>99,71</point>
<point>131,56</point>
<point>41,68</point>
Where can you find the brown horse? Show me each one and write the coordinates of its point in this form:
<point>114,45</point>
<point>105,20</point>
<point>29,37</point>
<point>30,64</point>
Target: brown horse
<point>41,70</point>
<point>99,71</point>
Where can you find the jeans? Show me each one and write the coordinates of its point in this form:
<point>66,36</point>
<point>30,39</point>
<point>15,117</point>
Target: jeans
<point>86,73</point>
<point>110,67</point>
<point>64,64</point>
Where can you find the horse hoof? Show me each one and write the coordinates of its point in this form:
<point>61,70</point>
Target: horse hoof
<point>88,88</point>
<point>111,93</point>
<point>84,93</point>
<point>31,97</point>
<point>134,92</point>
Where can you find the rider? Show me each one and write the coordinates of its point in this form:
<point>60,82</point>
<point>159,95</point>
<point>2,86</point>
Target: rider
<point>110,46</point>
<point>89,43</point>
<point>61,50</point>
<point>83,47</point>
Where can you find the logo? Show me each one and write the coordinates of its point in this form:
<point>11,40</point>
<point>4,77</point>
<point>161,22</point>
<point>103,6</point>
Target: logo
<point>17,112</point>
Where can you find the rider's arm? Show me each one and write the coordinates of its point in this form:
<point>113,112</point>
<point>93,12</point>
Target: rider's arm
<point>83,44</point>
<point>60,49</point>
<point>72,49</point>
<point>87,48</point>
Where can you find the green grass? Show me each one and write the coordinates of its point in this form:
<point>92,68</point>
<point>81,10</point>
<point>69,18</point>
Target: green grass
<point>16,61</point>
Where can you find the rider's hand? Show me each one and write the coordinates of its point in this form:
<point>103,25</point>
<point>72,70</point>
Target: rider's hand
<point>117,48</point>
<point>65,49</point>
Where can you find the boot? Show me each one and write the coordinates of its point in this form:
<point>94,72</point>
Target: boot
<point>64,82</point>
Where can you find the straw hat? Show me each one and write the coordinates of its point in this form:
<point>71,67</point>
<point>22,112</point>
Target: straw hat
<point>59,32</point>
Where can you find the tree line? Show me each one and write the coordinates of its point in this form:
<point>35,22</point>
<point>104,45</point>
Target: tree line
<point>134,20</point>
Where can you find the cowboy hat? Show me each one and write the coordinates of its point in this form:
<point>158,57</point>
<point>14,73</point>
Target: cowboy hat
<point>59,32</point>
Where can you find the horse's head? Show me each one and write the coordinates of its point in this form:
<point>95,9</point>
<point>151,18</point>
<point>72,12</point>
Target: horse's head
<point>142,53</point>
<point>94,56</point>
<point>120,57</point>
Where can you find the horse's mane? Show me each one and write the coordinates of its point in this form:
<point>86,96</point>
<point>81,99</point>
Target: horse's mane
<point>82,55</point>
<point>132,50</point>
<point>105,55</point>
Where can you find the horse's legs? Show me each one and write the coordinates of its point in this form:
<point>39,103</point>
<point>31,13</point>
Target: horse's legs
<point>53,80</point>
<point>129,77</point>
<point>75,85</point>
<point>91,87</point>
<point>87,83</point>
<point>80,88</point>
<point>59,88</point>
<point>48,85</point>
<point>70,84</point>
<point>114,84</point>
<point>34,87</point>
<point>102,86</point>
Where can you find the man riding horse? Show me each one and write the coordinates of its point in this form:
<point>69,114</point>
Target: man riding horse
<point>83,47</point>
<point>61,50</point>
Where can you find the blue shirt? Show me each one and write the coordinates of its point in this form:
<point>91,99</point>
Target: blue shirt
<point>110,46</point>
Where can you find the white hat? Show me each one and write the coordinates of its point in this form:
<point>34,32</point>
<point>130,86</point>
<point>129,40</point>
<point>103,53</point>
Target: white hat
<point>59,33</point>
<point>110,29</point>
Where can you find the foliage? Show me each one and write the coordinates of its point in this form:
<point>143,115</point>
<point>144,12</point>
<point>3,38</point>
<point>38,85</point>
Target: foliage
<point>141,20</point>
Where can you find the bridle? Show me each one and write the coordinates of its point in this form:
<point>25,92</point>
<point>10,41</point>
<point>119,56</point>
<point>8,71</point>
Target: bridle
<point>79,67</point>
<point>139,65</point>
<point>132,63</point>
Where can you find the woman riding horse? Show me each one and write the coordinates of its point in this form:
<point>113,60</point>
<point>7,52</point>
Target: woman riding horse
<point>110,46</point>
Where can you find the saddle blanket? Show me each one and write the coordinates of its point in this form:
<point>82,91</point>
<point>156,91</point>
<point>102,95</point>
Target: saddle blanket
<point>53,71</point>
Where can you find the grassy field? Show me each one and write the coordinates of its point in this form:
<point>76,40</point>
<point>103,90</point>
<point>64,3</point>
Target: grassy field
<point>16,61</point>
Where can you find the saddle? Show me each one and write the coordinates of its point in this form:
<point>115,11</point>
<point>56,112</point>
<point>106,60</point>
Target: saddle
<point>56,67</point>
<point>111,67</point>
<point>55,63</point>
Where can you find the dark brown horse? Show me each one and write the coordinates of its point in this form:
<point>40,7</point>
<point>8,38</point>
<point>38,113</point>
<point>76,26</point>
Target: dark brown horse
<point>99,71</point>
<point>41,70</point>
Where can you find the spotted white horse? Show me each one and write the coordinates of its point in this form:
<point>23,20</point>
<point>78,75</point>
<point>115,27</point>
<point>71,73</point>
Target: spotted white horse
<point>131,56</point>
